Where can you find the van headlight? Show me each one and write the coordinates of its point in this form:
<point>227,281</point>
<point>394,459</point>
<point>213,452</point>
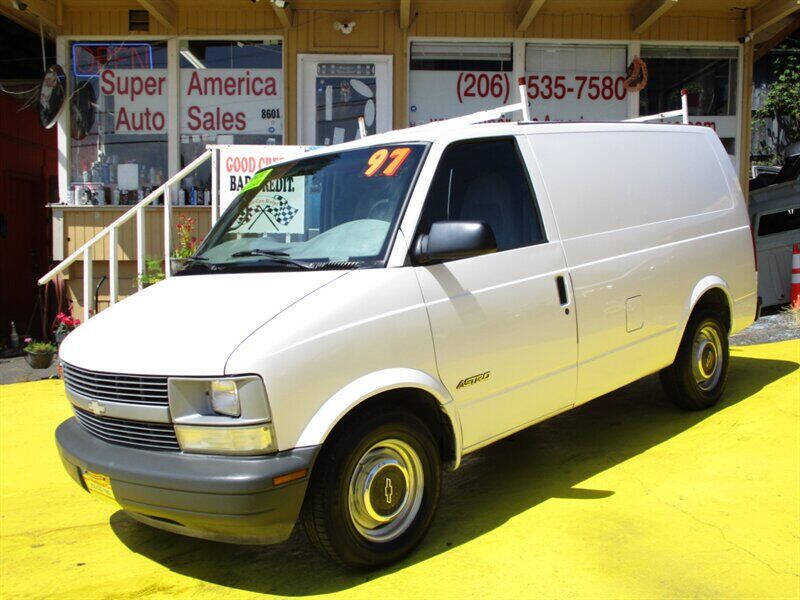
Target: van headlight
<point>225,397</point>
<point>222,415</point>
<point>241,440</point>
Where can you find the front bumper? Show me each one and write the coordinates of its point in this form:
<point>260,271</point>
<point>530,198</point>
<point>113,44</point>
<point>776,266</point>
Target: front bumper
<point>230,499</point>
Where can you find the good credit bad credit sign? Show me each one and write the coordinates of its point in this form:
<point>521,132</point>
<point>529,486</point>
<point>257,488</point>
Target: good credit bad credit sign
<point>238,164</point>
<point>213,101</point>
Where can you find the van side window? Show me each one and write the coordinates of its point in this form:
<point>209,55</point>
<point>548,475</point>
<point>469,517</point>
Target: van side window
<point>779,222</point>
<point>485,180</point>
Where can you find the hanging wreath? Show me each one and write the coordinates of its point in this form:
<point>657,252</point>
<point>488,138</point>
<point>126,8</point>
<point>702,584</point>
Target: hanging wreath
<point>636,75</point>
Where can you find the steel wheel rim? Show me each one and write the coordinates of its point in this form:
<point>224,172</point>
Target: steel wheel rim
<point>707,358</point>
<point>385,490</point>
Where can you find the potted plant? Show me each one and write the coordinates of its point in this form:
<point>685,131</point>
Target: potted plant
<point>152,272</point>
<point>39,354</point>
<point>187,243</point>
<point>64,324</point>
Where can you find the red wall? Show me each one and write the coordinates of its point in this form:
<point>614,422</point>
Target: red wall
<point>28,167</point>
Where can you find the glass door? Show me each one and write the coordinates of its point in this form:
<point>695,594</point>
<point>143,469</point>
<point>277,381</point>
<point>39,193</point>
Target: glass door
<point>333,91</point>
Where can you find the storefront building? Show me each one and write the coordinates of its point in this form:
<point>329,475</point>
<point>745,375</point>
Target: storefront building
<point>157,81</point>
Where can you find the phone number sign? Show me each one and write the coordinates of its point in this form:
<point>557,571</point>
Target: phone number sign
<point>437,95</point>
<point>577,97</point>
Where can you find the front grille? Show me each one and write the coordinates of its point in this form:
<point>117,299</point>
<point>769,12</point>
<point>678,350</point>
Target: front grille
<point>136,434</point>
<point>116,387</point>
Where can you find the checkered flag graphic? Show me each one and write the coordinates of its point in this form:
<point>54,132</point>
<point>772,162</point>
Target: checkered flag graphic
<point>283,212</point>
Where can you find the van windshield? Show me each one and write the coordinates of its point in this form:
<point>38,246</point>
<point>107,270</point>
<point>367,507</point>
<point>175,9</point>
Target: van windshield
<point>336,210</point>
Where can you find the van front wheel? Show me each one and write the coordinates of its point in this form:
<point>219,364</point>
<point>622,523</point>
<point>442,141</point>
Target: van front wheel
<point>697,377</point>
<point>373,491</point>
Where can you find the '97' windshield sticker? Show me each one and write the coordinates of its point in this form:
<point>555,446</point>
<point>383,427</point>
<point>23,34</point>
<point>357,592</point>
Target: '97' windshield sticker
<point>396,159</point>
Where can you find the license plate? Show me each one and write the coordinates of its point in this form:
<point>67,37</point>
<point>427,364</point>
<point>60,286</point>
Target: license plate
<point>99,485</point>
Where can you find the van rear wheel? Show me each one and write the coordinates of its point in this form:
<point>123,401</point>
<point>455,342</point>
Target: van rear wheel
<point>373,491</point>
<point>697,378</point>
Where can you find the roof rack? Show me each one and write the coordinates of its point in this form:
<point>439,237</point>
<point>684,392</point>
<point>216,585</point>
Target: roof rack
<point>494,113</point>
<point>683,112</point>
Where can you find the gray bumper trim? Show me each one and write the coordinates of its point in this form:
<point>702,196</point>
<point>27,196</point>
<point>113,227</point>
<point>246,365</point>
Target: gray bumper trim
<point>214,497</point>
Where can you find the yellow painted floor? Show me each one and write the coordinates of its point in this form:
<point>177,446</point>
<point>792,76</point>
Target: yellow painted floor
<point>623,497</point>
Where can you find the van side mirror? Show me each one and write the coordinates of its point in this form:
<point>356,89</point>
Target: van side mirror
<point>451,240</point>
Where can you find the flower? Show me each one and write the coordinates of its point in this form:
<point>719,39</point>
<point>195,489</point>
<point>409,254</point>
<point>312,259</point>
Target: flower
<point>64,323</point>
<point>187,243</point>
<point>28,340</point>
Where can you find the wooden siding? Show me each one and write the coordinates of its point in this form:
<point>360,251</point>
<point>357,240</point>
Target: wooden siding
<point>81,224</point>
<point>97,19</point>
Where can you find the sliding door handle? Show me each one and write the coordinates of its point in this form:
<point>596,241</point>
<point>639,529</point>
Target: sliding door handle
<point>561,286</point>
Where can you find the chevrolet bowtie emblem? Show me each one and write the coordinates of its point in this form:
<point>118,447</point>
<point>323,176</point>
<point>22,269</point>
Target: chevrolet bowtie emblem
<point>387,491</point>
<point>96,407</point>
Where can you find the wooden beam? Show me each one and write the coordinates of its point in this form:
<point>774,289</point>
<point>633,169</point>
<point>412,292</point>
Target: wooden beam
<point>649,12</point>
<point>768,43</point>
<point>285,15</point>
<point>405,14</point>
<point>527,12</point>
<point>163,11</point>
<point>34,10</point>
<point>746,118</point>
<point>771,12</point>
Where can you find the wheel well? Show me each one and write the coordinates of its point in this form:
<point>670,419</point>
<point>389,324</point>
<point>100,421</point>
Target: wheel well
<point>418,402</point>
<point>716,300</point>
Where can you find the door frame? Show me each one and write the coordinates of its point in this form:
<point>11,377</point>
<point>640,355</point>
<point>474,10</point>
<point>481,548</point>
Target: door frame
<point>384,109</point>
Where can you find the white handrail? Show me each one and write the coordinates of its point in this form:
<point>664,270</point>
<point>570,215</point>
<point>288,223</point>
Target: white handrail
<point>111,231</point>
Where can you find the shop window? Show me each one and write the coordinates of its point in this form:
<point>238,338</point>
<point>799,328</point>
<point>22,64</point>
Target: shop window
<point>576,82</point>
<point>231,93</point>
<point>118,121</point>
<point>708,74</point>
<point>452,79</point>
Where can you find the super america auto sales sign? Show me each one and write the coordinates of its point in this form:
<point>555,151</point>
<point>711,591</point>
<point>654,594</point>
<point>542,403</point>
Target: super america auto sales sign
<point>219,101</point>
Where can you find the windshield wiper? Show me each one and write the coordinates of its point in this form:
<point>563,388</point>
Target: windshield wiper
<point>274,256</point>
<point>259,252</point>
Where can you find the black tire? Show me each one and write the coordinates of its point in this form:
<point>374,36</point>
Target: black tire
<point>679,379</point>
<point>327,512</point>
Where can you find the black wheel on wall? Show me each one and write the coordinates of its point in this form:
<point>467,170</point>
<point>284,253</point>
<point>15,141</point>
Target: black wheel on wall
<point>374,490</point>
<point>697,378</point>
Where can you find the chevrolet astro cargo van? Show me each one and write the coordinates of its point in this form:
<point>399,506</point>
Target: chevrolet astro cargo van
<point>425,293</point>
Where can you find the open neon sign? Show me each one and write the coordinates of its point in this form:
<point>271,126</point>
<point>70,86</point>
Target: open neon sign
<point>88,59</point>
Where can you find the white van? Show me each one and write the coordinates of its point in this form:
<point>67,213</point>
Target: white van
<point>442,288</point>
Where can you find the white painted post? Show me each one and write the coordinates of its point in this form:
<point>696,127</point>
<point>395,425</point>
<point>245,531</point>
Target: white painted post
<point>167,230</point>
<point>523,98</point>
<point>214,185</point>
<point>141,247</point>
<point>88,282</point>
<point>685,107</point>
<point>113,275</point>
